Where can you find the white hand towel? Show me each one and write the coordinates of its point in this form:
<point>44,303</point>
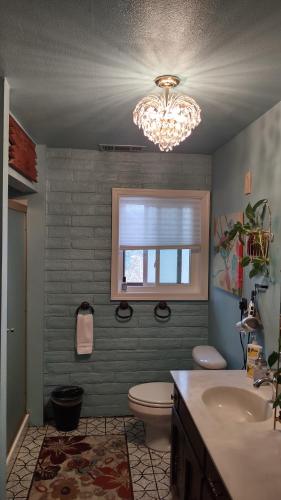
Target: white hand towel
<point>84,333</point>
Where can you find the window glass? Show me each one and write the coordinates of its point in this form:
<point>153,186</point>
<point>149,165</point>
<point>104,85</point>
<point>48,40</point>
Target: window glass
<point>168,266</point>
<point>134,266</point>
<point>151,266</point>
<point>185,263</point>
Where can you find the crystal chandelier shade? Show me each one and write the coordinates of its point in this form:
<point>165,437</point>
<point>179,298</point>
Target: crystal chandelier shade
<point>167,119</point>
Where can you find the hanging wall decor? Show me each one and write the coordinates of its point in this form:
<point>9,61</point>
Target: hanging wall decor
<point>22,154</point>
<point>255,234</point>
<point>227,268</point>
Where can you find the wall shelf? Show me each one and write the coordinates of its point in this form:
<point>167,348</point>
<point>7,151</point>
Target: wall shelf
<point>20,183</point>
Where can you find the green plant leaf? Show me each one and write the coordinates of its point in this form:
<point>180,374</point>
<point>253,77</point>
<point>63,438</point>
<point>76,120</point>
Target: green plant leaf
<point>272,359</point>
<point>250,214</point>
<point>259,261</point>
<point>253,272</point>
<point>263,212</point>
<point>245,261</point>
<point>232,233</point>
<point>259,203</point>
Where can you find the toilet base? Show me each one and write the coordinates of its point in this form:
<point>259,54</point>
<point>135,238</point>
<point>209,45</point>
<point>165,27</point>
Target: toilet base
<point>157,425</point>
<point>157,439</point>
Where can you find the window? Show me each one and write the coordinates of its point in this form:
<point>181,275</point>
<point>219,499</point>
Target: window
<point>160,244</point>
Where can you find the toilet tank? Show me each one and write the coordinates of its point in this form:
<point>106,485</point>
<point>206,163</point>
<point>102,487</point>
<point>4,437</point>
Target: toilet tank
<point>206,357</point>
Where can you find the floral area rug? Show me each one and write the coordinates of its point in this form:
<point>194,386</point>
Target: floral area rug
<point>82,467</point>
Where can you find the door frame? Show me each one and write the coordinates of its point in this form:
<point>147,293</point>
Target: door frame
<point>16,205</point>
<point>4,158</point>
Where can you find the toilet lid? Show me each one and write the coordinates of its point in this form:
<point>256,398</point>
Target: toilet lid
<point>158,393</point>
<point>208,357</point>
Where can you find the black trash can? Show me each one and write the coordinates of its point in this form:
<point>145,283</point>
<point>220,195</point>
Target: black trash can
<point>67,402</point>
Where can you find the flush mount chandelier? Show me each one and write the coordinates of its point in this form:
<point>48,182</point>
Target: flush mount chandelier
<point>167,119</point>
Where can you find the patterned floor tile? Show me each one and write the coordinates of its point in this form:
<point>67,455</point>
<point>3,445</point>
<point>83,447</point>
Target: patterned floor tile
<point>139,453</point>
<point>36,431</point>
<point>135,432</point>
<point>160,462</point>
<point>138,467</point>
<point>18,488</point>
<point>114,425</point>
<point>165,495</point>
<point>163,481</point>
<point>143,482</point>
<point>146,495</point>
<point>29,451</point>
<point>96,426</point>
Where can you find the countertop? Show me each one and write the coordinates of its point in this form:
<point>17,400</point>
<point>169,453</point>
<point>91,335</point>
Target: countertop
<point>248,455</point>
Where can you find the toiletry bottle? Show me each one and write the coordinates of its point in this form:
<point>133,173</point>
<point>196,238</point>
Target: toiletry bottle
<point>124,284</point>
<point>260,368</point>
<point>253,351</point>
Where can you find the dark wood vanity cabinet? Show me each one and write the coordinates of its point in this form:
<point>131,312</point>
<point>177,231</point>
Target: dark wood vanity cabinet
<point>193,473</point>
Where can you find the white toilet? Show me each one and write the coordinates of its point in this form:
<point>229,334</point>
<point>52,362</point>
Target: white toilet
<point>206,357</point>
<point>152,403</point>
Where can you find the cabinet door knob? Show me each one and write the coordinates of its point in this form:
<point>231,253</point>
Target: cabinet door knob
<point>213,488</point>
<point>10,330</point>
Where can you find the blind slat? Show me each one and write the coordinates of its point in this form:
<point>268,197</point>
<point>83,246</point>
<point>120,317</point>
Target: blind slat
<point>146,222</point>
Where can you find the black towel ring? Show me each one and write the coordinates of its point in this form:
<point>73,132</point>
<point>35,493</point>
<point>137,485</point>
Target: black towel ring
<point>162,306</point>
<point>85,306</point>
<point>123,306</point>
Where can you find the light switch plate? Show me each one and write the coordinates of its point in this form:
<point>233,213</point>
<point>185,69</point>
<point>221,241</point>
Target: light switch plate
<point>248,183</point>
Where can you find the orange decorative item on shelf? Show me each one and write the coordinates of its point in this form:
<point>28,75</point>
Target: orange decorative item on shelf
<point>22,154</point>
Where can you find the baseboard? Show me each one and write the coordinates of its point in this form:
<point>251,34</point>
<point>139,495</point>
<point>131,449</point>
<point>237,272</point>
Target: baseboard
<point>12,455</point>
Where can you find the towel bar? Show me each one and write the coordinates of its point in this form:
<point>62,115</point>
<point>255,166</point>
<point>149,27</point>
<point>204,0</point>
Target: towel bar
<point>162,306</point>
<point>123,306</point>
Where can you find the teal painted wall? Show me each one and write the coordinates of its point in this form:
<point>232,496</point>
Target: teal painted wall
<point>258,149</point>
<point>77,264</point>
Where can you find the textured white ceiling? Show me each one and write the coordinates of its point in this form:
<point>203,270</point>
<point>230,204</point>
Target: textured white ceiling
<point>78,67</point>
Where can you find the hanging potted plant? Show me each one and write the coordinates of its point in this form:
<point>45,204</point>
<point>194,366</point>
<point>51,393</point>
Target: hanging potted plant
<point>255,234</point>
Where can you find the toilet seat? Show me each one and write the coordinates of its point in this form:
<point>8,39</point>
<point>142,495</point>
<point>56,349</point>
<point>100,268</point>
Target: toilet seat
<point>153,394</point>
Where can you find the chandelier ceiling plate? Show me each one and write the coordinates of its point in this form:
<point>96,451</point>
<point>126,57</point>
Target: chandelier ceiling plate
<point>167,81</point>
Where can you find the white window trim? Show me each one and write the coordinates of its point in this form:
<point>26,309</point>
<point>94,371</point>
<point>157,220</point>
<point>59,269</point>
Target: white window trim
<point>198,290</point>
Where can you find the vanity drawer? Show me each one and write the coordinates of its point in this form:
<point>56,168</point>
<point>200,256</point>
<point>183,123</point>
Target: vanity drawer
<point>214,480</point>
<point>192,432</point>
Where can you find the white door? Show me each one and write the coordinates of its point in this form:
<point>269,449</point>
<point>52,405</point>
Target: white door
<point>16,336</point>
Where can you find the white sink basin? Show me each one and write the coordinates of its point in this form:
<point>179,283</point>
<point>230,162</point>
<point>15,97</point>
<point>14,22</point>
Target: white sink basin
<point>236,405</point>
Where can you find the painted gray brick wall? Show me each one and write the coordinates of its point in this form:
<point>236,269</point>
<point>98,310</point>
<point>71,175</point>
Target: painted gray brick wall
<point>77,268</point>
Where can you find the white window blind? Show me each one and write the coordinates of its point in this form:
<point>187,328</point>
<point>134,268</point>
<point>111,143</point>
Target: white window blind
<point>155,222</point>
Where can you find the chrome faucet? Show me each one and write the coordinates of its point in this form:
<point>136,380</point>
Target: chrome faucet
<point>267,380</point>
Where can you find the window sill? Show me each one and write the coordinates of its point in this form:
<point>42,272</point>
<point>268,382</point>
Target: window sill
<point>137,296</point>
